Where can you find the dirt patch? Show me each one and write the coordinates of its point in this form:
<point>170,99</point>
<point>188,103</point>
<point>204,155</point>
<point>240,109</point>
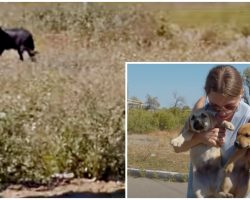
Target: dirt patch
<point>76,188</point>
<point>153,151</point>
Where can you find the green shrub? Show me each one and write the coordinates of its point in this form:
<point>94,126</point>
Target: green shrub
<point>51,123</point>
<point>166,120</point>
<point>142,121</point>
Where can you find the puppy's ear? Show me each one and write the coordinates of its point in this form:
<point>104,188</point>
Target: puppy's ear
<point>199,104</point>
<point>188,123</point>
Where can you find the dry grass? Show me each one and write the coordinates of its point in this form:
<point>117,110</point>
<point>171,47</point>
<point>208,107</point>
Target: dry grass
<point>65,111</point>
<point>153,151</point>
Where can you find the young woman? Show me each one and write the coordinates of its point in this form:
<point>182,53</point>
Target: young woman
<point>224,90</point>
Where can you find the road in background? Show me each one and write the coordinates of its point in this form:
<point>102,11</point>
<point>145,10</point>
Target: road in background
<point>154,188</point>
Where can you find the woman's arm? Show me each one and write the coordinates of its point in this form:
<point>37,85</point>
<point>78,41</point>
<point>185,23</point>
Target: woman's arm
<point>210,138</point>
<point>188,144</point>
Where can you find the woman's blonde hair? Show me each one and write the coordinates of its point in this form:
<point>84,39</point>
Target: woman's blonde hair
<point>224,79</point>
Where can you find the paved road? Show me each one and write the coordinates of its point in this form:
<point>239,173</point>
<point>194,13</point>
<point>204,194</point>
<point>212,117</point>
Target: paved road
<point>154,188</point>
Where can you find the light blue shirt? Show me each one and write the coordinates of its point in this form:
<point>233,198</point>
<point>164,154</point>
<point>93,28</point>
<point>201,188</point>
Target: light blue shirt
<point>241,116</point>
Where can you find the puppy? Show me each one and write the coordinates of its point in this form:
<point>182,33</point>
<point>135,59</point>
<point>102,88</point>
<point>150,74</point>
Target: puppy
<point>236,170</point>
<point>206,160</point>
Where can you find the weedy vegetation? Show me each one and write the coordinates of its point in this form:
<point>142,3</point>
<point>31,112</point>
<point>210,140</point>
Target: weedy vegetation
<point>65,112</point>
<point>146,121</point>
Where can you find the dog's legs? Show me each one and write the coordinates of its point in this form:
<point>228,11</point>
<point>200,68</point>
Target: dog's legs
<point>226,187</point>
<point>242,191</point>
<point>227,184</point>
<point>184,136</point>
<point>200,185</point>
<point>229,166</point>
<point>20,53</point>
<point>198,194</point>
<point>201,191</point>
<point>241,178</point>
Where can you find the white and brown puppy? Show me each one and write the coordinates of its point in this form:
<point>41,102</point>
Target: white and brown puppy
<point>206,160</point>
<point>236,170</point>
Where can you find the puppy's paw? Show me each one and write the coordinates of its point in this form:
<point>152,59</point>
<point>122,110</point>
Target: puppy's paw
<point>177,142</point>
<point>229,168</point>
<point>225,195</point>
<point>228,125</point>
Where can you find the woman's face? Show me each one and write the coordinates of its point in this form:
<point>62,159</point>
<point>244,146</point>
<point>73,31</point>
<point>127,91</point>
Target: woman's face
<point>225,106</point>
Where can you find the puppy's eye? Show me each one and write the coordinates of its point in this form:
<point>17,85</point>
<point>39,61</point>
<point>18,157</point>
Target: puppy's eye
<point>203,116</point>
<point>246,135</point>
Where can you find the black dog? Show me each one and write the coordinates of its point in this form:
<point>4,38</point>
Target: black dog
<point>18,39</point>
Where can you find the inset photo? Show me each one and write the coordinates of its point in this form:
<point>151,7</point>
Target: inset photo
<point>188,127</point>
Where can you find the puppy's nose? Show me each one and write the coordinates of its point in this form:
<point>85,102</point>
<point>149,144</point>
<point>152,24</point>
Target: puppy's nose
<point>198,125</point>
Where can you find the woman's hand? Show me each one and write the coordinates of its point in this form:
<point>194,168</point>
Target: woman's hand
<point>214,137</point>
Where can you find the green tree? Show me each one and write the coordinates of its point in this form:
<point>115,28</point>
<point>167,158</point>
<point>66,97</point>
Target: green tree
<point>151,103</point>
